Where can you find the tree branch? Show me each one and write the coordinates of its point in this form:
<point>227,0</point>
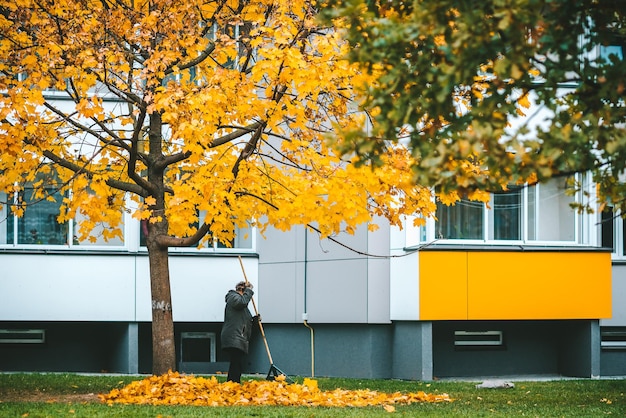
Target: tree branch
<point>116,184</point>
<point>249,148</point>
<point>234,135</point>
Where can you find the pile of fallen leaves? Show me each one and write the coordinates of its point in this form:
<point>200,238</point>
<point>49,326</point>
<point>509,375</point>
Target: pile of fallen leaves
<point>176,389</point>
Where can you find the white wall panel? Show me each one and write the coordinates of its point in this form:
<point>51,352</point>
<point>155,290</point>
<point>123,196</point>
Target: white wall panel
<point>404,292</point>
<point>67,288</point>
<point>199,285</point>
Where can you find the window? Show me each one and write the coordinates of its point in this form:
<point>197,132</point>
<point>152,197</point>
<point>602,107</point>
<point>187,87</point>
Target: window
<point>39,225</point>
<point>555,220</point>
<point>507,215</point>
<point>464,220</point>
<point>240,33</point>
<point>243,240</point>
<point>97,235</point>
<point>538,213</point>
<point>612,43</point>
<point>607,228</point>
<point>616,50</point>
<point>612,230</point>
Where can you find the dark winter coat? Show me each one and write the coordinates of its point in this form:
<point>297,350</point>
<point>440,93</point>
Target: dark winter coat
<point>237,327</point>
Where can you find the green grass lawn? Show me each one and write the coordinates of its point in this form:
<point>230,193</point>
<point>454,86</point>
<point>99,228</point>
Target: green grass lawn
<point>563,398</point>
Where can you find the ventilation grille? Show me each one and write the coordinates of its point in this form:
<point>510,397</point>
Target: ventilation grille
<point>613,339</point>
<point>478,339</point>
<point>22,336</point>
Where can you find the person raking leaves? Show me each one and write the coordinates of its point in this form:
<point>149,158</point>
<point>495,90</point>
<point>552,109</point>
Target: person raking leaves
<point>237,328</point>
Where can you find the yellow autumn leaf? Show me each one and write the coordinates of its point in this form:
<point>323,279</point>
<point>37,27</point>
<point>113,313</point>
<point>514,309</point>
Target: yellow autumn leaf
<point>389,408</point>
<point>174,388</point>
<point>524,101</point>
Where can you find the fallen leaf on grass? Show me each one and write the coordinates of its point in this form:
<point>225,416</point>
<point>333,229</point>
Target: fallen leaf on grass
<point>176,389</point>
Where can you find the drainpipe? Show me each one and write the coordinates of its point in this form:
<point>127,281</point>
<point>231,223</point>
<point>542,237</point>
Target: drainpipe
<point>305,315</point>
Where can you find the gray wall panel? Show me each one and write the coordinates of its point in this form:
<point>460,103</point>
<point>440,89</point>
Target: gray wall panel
<point>378,285</point>
<point>281,247</point>
<point>325,249</point>
<point>281,299</point>
<point>337,291</point>
<point>358,351</point>
<point>613,363</point>
<point>299,273</point>
<point>412,351</point>
<point>580,349</point>
<point>619,297</point>
<point>378,241</point>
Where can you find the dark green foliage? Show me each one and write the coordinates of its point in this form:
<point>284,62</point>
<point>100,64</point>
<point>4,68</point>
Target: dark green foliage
<point>487,54</point>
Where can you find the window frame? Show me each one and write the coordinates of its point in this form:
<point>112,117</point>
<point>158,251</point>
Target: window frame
<point>617,227</point>
<point>583,235</point>
<point>69,244</point>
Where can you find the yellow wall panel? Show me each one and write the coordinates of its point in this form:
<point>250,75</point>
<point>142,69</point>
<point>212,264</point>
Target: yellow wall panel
<point>480,285</point>
<point>444,294</point>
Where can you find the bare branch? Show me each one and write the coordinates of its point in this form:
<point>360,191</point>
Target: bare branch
<point>248,149</point>
<point>116,184</point>
<point>134,153</point>
<point>234,135</point>
<point>170,241</point>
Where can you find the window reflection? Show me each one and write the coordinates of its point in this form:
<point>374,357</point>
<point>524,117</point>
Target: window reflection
<point>522,213</point>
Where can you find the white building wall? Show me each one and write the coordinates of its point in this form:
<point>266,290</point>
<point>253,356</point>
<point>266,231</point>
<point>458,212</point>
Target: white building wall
<point>404,278</point>
<point>110,287</point>
<point>67,288</point>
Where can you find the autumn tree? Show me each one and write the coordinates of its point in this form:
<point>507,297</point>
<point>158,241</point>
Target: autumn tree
<point>196,116</point>
<point>518,88</point>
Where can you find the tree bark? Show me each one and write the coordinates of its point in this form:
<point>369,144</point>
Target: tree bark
<point>163,345</point>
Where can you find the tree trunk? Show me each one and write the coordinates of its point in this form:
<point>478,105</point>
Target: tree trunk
<point>163,345</point>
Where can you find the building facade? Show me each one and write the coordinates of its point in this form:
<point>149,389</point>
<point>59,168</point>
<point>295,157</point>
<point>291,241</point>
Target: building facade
<point>524,285</point>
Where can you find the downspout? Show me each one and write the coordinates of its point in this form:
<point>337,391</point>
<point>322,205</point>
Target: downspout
<point>305,315</point>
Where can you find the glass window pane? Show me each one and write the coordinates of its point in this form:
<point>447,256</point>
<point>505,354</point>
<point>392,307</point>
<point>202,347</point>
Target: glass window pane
<point>556,220</point>
<point>507,214</point>
<point>464,220</point>
<point>99,235</point>
<point>606,51</point>
<point>623,222</point>
<point>607,228</point>
<point>243,239</point>
<point>6,221</point>
<point>39,223</point>
<point>532,213</point>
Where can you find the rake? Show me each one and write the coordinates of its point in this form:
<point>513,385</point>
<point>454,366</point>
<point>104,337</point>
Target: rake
<point>274,371</point>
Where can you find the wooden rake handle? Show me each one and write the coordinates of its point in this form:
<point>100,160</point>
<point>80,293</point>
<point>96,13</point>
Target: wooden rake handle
<point>267,348</point>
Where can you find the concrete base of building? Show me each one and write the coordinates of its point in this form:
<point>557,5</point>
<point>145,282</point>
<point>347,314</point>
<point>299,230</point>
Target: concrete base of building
<point>408,350</point>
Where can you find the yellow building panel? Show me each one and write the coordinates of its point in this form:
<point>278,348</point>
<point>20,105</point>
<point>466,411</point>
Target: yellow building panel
<point>479,285</point>
<point>539,285</point>
<point>444,294</point>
